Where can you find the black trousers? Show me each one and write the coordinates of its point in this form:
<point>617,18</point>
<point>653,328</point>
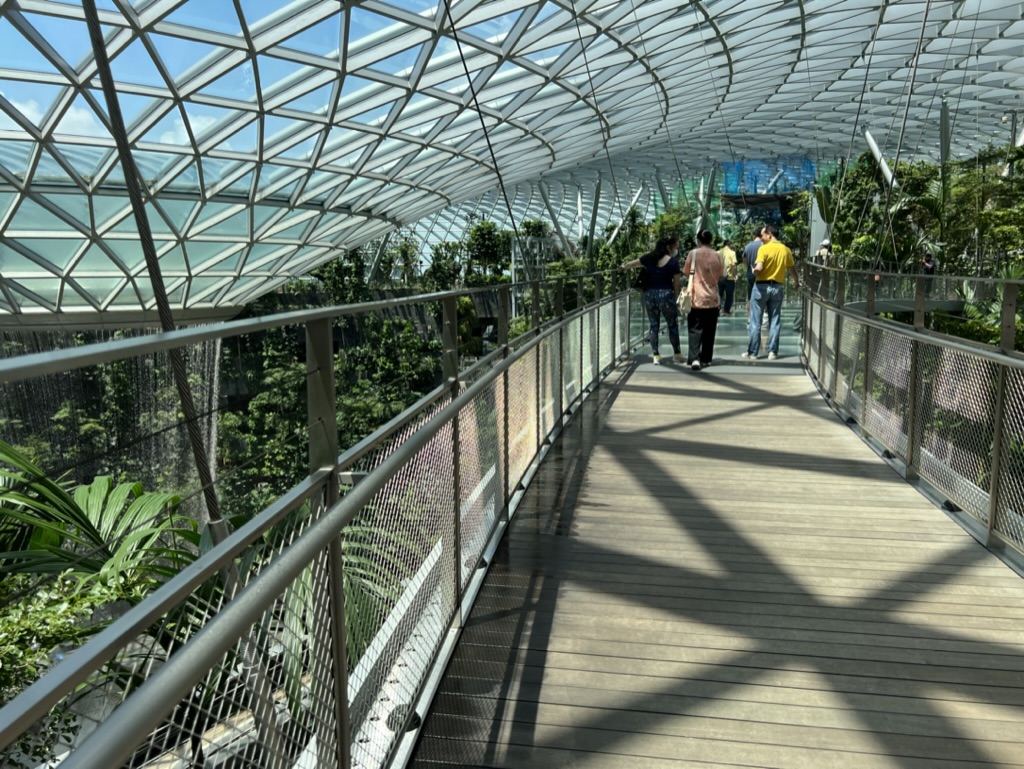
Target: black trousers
<point>701,327</point>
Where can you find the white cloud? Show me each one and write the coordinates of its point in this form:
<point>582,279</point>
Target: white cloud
<point>200,124</point>
<point>30,109</point>
<point>80,121</point>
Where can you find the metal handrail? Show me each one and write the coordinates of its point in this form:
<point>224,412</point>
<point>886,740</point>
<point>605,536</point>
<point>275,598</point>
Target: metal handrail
<point>58,361</point>
<point>37,700</point>
<point>111,743</point>
<point>970,476</point>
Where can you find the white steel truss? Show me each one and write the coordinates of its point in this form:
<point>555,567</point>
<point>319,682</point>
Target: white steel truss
<point>271,136</point>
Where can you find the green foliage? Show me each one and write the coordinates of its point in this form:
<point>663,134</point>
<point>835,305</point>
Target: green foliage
<point>38,625</point>
<point>445,269</point>
<point>534,228</point>
<point>676,221</point>
<point>113,534</point>
<point>969,215</point>
<point>488,253</point>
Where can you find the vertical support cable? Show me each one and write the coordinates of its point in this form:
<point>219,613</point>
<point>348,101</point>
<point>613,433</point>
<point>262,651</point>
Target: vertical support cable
<point>131,177</point>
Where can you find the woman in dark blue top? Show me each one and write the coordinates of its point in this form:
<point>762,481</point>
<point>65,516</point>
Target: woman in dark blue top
<point>660,281</point>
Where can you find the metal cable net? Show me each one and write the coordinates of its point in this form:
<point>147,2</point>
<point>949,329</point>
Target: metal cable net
<point>271,137</point>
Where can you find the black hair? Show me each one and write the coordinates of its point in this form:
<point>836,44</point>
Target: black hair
<point>704,237</point>
<point>663,245</point>
<point>773,230</point>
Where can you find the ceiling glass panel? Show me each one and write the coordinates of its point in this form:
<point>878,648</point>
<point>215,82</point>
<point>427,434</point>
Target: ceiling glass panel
<point>232,139</point>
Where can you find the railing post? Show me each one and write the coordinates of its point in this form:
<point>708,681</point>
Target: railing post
<point>323,452</point>
<point>450,370</point>
<point>913,406</point>
<point>595,329</point>
<point>869,304</point>
<point>457,522</point>
<point>615,319</point>
<point>840,300</point>
<point>919,293</point>
<point>535,312</point>
<point>1007,342</point>
<point>823,277</point>
<point>450,340</point>
<point>560,298</point>
<point>867,377</point>
<point>504,301</point>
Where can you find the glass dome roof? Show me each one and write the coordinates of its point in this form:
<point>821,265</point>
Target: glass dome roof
<point>271,136</point>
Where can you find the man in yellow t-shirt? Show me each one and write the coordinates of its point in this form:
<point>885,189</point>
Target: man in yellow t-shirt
<point>727,284</point>
<point>774,259</point>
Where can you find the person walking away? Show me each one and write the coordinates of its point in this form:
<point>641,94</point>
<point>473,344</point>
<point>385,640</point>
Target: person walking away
<point>928,270</point>
<point>708,267</point>
<point>774,259</point>
<point>660,281</point>
<point>749,259</point>
<point>823,255</point>
<point>727,285</point>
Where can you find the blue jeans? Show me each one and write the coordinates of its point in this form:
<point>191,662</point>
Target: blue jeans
<point>658,302</point>
<point>766,296</point>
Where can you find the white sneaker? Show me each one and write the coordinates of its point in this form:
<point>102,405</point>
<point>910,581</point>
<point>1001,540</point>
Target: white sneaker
<point>772,356</point>
<point>695,365</point>
<point>748,356</point>
<point>657,360</point>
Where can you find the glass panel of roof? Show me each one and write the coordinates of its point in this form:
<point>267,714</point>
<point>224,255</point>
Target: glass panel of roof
<point>43,291</point>
<point>31,218</point>
<point>420,7</point>
<point>236,225</point>
<point>68,37</point>
<point>202,14</point>
<point>96,260</point>
<point>73,298</point>
<point>260,253</point>
<point>323,39</point>
<point>134,65</point>
<point>225,260</point>
<point>400,64</point>
<point>128,251</point>
<point>18,54</point>
<point>496,29</point>
<point>49,171</point>
<point>315,101</point>
<point>185,178</point>
<point>108,208</point>
<point>203,289</point>
<point>180,55</point>
<point>98,288</point>
<point>79,119</point>
<point>30,101</point>
<point>75,206</point>
<point>173,261</point>
<point>239,83</point>
<point>57,252</point>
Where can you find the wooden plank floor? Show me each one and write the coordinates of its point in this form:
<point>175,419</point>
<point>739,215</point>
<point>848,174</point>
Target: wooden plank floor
<point>712,570</point>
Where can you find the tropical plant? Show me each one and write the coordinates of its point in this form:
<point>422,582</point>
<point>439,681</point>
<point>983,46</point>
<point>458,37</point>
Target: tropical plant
<point>119,535</point>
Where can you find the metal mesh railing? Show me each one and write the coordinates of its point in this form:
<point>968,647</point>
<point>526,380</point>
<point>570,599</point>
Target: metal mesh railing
<point>305,638</point>
<point>952,411</point>
<point>1009,512</point>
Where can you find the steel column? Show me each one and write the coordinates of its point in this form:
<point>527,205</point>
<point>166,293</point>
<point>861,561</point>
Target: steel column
<point>323,454</point>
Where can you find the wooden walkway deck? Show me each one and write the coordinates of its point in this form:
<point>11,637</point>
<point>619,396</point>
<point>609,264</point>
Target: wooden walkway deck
<point>712,570</point>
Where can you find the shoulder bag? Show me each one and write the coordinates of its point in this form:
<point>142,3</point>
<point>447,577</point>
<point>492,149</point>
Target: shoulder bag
<point>685,299</point>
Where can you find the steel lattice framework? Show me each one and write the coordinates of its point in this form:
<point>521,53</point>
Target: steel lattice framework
<point>272,135</point>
